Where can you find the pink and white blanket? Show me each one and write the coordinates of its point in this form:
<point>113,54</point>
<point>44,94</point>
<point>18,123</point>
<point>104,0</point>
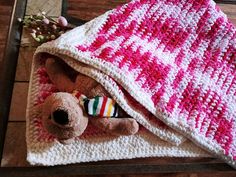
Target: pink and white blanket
<point>170,64</point>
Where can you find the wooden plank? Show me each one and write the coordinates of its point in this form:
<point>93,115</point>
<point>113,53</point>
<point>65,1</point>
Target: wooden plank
<point>18,102</point>
<point>226,1</point>
<point>27,40</point>
<point>5,11</point>
<point>229,9</point>
<point>19,172</point>
<point>3,34</point>
<point>8,67</point>
<point>24,63</point>
<point>137,166</point>
<point>14,153</point>
<point>89,9</point>
<point>2,47</point>
<point>6,2</point>
<point>112,169</point>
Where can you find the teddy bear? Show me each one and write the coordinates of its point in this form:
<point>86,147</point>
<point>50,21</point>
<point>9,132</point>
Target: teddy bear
<point>66,114</point>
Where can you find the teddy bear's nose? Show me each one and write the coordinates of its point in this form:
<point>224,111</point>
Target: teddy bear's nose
<point>60,117</point>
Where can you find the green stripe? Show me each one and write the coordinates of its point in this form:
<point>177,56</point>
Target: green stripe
<point>95,105</point>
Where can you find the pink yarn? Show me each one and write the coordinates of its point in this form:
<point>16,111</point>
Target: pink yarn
<point>45,89</point>
<point>186,62</point>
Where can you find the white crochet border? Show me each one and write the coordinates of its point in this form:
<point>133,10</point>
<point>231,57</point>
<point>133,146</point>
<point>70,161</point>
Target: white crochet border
<point>143,144</point>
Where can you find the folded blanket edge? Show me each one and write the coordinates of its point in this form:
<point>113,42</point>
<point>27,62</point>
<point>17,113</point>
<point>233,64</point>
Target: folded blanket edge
<point>66,50</point>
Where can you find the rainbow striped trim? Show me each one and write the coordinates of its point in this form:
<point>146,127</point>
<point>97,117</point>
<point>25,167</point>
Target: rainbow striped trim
<point>99,106</point>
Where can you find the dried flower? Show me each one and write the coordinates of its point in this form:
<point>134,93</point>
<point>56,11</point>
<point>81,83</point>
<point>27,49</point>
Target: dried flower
<point>53,37</point>
<point>46,21</point>
<point>43,28</point>
<point>33,31</point>
<point>19,19</point>
<point>62,21</point>
<point>54,27</point>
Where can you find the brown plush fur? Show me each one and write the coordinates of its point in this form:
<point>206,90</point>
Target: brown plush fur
<point>64,117</point>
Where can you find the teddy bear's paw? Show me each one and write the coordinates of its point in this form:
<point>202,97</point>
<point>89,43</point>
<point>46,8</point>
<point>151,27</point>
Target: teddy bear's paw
<point>117,126</point>
<point>66,141</point>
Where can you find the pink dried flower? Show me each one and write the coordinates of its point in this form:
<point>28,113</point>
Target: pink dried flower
<point>46,21</point>
<point>43,28</point>
<point>62,21</point>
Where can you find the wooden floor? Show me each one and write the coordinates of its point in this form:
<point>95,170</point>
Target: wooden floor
<point>85,10</point>
<point>5,15</point>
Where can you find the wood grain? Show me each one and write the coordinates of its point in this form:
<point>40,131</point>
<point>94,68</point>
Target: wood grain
<point>15,148</point>
<point>8,66</point>
<point>89,9</point>
<point>230,11</point>
<point>18,102</point>
<point>2,47</point>
<point>5,12</point>
<point>14,153</point>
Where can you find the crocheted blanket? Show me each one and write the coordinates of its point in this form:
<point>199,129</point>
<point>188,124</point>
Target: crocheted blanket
<point>163,61</point>
<point>93,144</point>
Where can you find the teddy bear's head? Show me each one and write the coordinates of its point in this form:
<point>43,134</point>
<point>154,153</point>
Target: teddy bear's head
<point>63,117</point>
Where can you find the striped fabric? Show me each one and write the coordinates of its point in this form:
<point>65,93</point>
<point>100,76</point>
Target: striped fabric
<point>99,106</point>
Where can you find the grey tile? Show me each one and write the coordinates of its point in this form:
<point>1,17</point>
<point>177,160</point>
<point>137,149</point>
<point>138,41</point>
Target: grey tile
<point>14,153</point>
<point>24,63</point>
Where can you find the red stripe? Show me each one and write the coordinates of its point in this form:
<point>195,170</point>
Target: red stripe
<point>78,94</point>
<point>171,104</point>
<point>103,106</point>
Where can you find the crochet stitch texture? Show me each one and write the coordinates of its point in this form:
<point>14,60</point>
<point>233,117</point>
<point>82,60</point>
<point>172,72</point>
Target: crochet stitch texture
<point>174,58</point>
